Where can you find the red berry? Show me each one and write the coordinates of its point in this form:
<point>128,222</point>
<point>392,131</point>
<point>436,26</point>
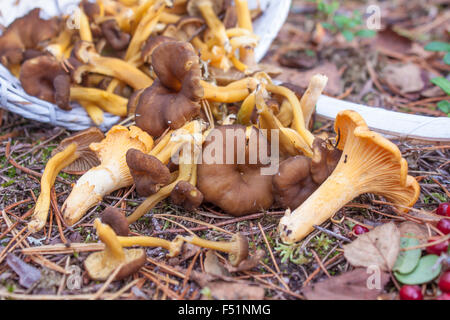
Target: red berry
<point>444,296</point>
<point>408,292</point>
<point>437,248</point>
<point>443,209</point>
<point>358,229</point>
<point>444,282</point>
<point>444,226</point>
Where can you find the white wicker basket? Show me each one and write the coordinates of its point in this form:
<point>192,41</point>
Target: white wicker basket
<point>14,98</point>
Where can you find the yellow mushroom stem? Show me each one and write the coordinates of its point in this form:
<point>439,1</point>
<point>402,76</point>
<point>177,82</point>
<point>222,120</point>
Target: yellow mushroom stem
<point>52,169</point>
<point>215,25</point>
<point>246,54</point>
<point>85,28</point>
<point>298,122</point>
<point>185,173</point>
<point>62,44</point>
<point>94,112</point>
<point>285,114</point>
<point>107,101</point>
<point>113,247</point>
<point>309,99</point>
<point>222,246</point>
<point>139,13</point>
<point>234,92</point>
<point>245,112</point>
<point>369,164</point>
<point>174,247</point>
<point>169,18</point>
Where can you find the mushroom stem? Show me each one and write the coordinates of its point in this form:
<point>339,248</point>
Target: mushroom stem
<point>108,101</point>
<point>85,29</point>
<point>369,164</point>
<point>94,112</point>
<point>298,122</point>
<point>108,237</point>
<point>312,94</point>
<point>214,23</point>
<point>174,247</point>
<point>245,112</point>
<point>222,246</point>
<point>234,92</point>
<point>53,167</point>
<point>59,48</point>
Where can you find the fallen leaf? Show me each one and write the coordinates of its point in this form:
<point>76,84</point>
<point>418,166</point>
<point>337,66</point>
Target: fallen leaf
<point>189,250</point>
<point>28,275</point>
<point>392,41</point>
<point>357,284</point>
<point>234,291</point>
<point>302,59</point>
<point>379,247</point>
<point>213,266</point>
<point>406,77</point>
<point>249,263</point>
<point>301,78</point>
<point>410,229</point>
<point>427,269</point>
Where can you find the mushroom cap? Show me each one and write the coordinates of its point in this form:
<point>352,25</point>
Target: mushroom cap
<point>293,184</point>
<point>91,9</point>
<point>24,33</point>
<point>184,29</point>
<point>324,160</point>
<point>43,77</point>
<point>149,174</point>
<point>133,102</point>
<point>118,39</point>
<point>238,189</point>
<point>151,44</point>
<point>186,195</point>
<point>240,249</point>
<point>192,6</point>
<point>99,267</point>
<point>116,220</point>
<point>87,158</point>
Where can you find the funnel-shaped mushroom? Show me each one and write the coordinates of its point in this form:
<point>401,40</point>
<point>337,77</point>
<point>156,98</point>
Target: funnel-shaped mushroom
<point>112,173</point>
<point>237,248</point>
<point>100,265</point>
<point>186,195</point>
<point>369,164</point>
<point>72,154</point>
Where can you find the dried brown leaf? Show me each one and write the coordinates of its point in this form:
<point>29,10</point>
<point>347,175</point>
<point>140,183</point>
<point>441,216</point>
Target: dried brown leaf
<point>358,284</point>
<point>28,275</point>
<point>409,228</point>
<point>234,291</point>
<point>213,265</point>
<point>379,247</point>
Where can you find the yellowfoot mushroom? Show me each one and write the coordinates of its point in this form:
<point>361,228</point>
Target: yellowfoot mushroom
<point>73,154</point>
<point>369,164</point>
<point>112,173</point>
<point>100,265</point>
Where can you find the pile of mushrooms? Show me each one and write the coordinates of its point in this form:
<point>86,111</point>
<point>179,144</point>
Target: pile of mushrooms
<point>242,145</point>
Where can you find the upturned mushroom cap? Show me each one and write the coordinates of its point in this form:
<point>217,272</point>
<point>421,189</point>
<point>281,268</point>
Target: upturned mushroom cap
<point>44,78</point>
<point>186,195</point>
<point>100,265</point>
<point>151,44</point>
<point>173,99</point>
<point>240,249</point>
<point>149,174</point>
<point>118,39</point>
<point>25,33</point>
<point>87,158</point>
<point>239,189</point>
<point>116,220</point>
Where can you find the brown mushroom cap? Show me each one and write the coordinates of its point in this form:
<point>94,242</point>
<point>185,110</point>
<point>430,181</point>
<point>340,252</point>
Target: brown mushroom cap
<point>186,195</point>
<point>91,9</point>
<point>298,177</point>
<point>239,189</point>
<point>151,44</point>
<point>88,158</point>
<point>118,39</point>
<point>149,174</point>
<point>240,252</point>
<point>174,97</point>
<point>184,29</point>
<point>116,220</point>
<point>44,78</point>
<point>133,102</point>
<point>25,33</point>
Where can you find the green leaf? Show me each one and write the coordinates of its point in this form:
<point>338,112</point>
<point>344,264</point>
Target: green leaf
<point>447,58</point>
<point>365,33</point>
<point>342,21</point>
<point>423,273</point>
<point>407,260</point>
<point>438,46</point>
<point>328,26</point>
<point>442,83</point>
<point>348,35</point>
<point>444,106</point>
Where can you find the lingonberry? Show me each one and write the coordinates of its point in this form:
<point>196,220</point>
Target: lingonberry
<point>437,248</point>
<point>444,226</point>
<point>444,296</point>
<point>444,282</point>
<point>443,209</point>
<point>408,292</point>
<point>358,229</point>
